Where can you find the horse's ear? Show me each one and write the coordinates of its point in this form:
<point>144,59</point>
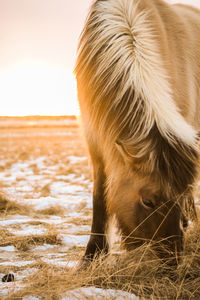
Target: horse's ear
<point>125,151</point>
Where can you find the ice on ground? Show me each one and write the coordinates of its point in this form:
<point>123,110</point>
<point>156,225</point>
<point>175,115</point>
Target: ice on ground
<point>76,159</point>
<point>44,247</point>
<point>6,287</point>
<point>75,240</point>
<point>20,169</point>
<point>23,188</point>
<point>29,230</point>
<point>16,167</point>
<point>16,263</point>
<point>98,294</point>
<point>74,229</point>
<point>72,263</point>
<point>60,187</point>
<point>15,220</point>
<point>31,298</point>
<point>60,262</point>
<point>9,287</point>
<point>70,202</point>
<point>8,248</point>
<point>19,276</point>
<point>45,202</point>
<point>73,178</point>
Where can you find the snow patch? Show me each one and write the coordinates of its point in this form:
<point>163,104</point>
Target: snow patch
<point>8,248</point>
<point>76,159</point>
<point>60,187</point>
<point>16,263</point>
<point>75,240</point>
<point>99,294</point>
<point>15,220</point>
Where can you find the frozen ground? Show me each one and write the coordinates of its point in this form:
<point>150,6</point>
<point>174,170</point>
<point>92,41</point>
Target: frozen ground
<point>44,169</point>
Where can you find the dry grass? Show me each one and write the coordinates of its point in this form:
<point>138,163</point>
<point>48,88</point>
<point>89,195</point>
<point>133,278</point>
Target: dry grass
<point>25,243</point>
<point>11,207</point>
<point>53,210</point>
<point>138,272</point>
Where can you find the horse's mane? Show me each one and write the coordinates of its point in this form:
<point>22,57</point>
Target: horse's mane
<point>124,79</point>
<point>125,62</point>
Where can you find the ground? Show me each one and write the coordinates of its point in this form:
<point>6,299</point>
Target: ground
<point>45,218</point>
<point>43,168</point>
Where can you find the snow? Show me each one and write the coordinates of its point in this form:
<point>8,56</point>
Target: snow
<point>44,247</point>
<point>5,287</point>
<point>15,220</point>
<point>29,230</point>
<point>61,187</point>
<point>38,180</point>
<point>76,159</point>
<point>60,262</point>
<point>45,202</point>
<point>98,294</point>
<point>8,248</point>
<point>75,240</point>
<point>17,264</point>
<point>31,298</point>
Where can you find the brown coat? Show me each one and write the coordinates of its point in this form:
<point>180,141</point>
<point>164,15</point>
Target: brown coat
<point>138,79</point>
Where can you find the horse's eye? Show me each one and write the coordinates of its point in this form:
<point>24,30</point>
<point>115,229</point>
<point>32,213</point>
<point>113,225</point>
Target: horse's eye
<point>147,203</point>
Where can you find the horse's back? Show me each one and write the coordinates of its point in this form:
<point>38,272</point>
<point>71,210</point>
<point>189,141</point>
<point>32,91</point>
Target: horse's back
<point>189,83</point>
<point>179,35</point>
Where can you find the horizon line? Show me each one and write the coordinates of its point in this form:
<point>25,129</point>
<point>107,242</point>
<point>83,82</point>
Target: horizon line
<point>39,116</point>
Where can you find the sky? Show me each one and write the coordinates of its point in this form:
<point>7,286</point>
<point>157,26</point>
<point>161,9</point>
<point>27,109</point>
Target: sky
<point>38,41</point>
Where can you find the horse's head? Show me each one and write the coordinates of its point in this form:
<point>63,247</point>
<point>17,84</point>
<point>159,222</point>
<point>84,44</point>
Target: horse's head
<point>146,215</point>
<point>147,209</point>
<point>152,181</point>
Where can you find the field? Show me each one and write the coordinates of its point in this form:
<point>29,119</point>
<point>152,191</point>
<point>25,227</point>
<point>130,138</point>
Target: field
<point>45,218</point>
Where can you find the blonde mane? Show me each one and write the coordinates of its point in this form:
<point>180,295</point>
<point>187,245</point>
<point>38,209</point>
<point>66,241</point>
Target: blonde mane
<point>126,62</point>
<point>138,79</point>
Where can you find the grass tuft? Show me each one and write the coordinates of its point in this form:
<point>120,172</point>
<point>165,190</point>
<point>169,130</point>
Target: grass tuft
<point>11,207</point>
<point>25,243</point>
<point>54,210</point>
<point>139,272</point>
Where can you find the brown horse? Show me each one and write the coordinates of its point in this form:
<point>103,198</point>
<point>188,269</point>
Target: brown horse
<point>138,79</point>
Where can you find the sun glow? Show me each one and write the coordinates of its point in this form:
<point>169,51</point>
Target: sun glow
<point>33,88</point>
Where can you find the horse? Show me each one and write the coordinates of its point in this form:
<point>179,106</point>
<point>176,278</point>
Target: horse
<point>138,84</point>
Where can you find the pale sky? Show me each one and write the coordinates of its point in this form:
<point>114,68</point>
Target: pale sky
<point>38,41</point>
<point>46,30</point>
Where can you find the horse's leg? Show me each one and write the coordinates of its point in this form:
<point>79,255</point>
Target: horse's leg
<point>98,242</point>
